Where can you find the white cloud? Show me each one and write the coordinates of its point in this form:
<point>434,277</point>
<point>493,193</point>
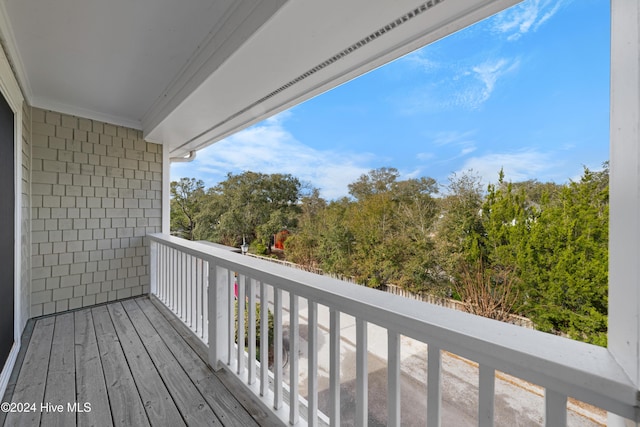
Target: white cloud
<point>525,17</point>
<point>518,166</point>
<point>269,148</point>
<point>419,58</point>
<point>485,76</point>
<point>467,87</point>
<point>425,156</point>
<point>463,142</point>
<point>453,138</point>
<point>467,150</point>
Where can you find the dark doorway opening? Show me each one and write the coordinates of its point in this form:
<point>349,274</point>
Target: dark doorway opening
<point>7,229</point>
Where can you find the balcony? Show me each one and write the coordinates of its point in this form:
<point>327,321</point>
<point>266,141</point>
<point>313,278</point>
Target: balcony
<point>199,284</point>
<point>94,116</point>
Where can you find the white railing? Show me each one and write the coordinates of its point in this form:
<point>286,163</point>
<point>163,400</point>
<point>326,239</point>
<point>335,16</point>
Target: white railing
<point>196,281</point>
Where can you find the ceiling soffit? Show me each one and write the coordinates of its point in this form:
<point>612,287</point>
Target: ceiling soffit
<point>275,70</point>
<point>121,61</point>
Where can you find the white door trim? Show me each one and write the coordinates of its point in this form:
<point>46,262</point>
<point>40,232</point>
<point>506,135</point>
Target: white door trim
<point>11,92</point>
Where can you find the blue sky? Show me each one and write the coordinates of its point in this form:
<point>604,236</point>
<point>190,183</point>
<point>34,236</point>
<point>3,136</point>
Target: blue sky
<point>526,90</point>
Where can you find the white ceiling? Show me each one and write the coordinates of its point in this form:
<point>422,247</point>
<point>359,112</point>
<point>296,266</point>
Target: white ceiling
<point>113,59</point>
<point>189,72</point>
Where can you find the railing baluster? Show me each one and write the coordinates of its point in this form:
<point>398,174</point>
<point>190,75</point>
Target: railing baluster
<point>312,371</point>
<point>241,326</point>
<point>172,280</point>
<point>231,295</point>
<point>434,400</point>
<point>205,301</point>
<point>251,291</point>
<point>199,304</point>
<point>362,373</point>
<point>176,283</point>
<point>277,348</point>
<point>183,288</point>
<point>555,409</point>
<point>393,378</point>
<point>191,292</point>
<point>196,296</point>
<point>165,274</point>
<point>486,393</point>
<point>160,267</point>
<point>294,345</point>
<point>264,340</point>
<point>186,265</point>
<point>334,366</point>
<point>180,284</point>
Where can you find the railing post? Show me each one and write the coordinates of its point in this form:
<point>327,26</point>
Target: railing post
<point>153,268</point>
<point>218,307</point>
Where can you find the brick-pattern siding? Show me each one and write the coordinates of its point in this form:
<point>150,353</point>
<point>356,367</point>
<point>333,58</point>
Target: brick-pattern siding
<point>96,192</point>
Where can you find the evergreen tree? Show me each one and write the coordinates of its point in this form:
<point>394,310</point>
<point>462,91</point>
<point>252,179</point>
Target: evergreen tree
<point>566,267</point>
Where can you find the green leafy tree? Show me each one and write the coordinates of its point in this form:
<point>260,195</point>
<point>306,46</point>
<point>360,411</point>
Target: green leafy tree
<point>187,196</point>
<point>336,241</point>
<point>377,181</point>
<point>303,247</point>
<point>251,205</point>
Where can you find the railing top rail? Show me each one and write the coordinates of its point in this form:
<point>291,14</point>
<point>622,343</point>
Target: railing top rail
<point>583,371</point>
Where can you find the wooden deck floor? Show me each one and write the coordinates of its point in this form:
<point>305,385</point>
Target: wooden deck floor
<point>123,364</point>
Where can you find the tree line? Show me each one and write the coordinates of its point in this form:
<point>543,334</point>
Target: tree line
<point>529,248</point>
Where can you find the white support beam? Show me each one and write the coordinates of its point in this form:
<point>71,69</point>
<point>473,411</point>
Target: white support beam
<point>624,268</point>
<point>624,220</point>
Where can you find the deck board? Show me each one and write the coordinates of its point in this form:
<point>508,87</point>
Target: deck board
<point>191,403</point>
<point>254,408</point>
<point>33,374</point>
<point>131,364</point>
<point>90,385</point>
<point>60,389</point>
<point>224,404</point>
<point>158,403</point>
<point>126,406</point>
